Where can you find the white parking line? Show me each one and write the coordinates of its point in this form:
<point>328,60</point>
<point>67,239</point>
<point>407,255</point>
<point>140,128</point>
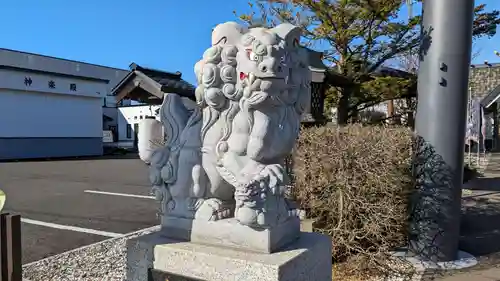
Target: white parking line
<point>71,228</point>
<point>119,194</point>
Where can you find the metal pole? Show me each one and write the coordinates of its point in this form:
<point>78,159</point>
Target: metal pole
<point>479,138</point>
<point>469,157</point>
<point>440,128</point>
<point>469,118</point>
<point>495,127</point>
<point>479,135</point>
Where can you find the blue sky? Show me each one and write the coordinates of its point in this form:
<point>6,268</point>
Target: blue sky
<point>165,34</point>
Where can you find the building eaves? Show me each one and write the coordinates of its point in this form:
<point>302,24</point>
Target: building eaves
<point>316,61</point>
<point>151,72</point>
<point>484,65</point>
<point>169,82</point>
<point>122,82</point>
<point>62,59</point>
<point>491,97</point>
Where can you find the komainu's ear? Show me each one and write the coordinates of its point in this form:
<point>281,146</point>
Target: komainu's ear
<point>227,33</point>
<point>288,32</point>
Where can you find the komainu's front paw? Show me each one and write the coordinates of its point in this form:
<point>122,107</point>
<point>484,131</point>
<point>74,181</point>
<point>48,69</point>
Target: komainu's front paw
<point>211,209</point>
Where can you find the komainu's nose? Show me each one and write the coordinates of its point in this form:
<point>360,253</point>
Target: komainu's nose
<point>270,66</point>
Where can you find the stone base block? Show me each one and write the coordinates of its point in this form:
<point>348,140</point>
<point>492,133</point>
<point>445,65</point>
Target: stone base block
<point>231,234</point>
<point>308,258</point>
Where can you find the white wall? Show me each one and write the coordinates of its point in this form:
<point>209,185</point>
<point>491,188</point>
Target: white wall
<point>132,115</point>
<point>34,114</point>
<point>38,110</point>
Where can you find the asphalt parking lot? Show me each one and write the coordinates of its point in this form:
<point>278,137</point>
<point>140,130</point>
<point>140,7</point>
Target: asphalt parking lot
<point>72,203</point>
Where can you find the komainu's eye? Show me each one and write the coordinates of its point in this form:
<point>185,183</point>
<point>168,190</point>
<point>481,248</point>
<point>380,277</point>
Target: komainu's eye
<point>253,56</point>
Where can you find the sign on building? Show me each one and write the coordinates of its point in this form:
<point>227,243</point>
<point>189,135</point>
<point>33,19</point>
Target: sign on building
<point>107,136</point>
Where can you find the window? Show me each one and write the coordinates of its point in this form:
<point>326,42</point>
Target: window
<point>104,100</point>
<point>129,131</point>
<point>141,117</point>
<point>72,87</point>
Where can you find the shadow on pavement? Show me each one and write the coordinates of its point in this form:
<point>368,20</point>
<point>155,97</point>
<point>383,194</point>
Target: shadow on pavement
<point>482,184</point>
<point>480,228</point>
<point>480,224</point>
<point>129,155</point>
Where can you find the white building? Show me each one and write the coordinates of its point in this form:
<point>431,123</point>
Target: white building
<point>51,107</point>
<point>128,119</point>
<point>145,86</point>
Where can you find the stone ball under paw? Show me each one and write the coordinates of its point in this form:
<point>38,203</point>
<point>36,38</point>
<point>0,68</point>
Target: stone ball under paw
<point>246,215</point>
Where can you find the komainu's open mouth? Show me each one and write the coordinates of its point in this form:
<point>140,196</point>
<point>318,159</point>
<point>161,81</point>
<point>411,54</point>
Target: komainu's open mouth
<point>251,77</point>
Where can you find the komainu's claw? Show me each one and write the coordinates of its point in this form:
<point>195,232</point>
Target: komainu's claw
<point>212,209</point>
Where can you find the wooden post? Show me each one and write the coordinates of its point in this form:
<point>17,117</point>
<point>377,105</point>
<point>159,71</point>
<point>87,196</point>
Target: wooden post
<point>10,247</point>
<point>390,111</point>
<point>14,249</point>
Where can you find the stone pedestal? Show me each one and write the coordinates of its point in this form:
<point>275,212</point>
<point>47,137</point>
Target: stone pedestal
<point>228,233</point>
<point>307,258</point>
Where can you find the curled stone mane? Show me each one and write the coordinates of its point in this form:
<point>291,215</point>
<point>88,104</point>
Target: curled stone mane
<point>218,92</point>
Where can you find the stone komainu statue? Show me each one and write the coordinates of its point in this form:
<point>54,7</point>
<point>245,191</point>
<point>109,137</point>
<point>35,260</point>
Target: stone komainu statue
<point>224,155</point>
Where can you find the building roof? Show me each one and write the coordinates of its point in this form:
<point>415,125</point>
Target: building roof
<point>491,97</point>
<point>61,59</point>
<point>150,84</point>
<point>41,64</point>
<point>335,78</point>
<point>169,81</point>
<point>316,61</point>
<point>393,72</point>
<point>106,118</point>
<point>485,65</point>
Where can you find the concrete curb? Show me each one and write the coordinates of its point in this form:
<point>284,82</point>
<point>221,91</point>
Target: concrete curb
<point>153,228</point>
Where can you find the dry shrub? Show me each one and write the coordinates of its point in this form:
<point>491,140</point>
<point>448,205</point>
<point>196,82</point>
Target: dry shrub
<point>355,182</point>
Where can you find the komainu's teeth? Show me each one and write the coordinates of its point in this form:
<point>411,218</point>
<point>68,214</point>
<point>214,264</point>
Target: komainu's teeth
<point>251,78</point>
